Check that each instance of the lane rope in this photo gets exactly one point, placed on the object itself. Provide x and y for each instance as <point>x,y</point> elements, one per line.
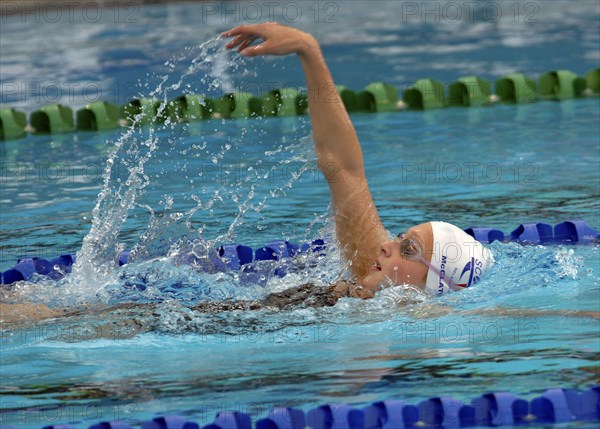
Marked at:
<point>237,256</point>
<point>424,94</point>
<point>554,406</point>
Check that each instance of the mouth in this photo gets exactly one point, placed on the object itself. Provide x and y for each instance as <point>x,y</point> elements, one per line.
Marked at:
<point>376,266</point>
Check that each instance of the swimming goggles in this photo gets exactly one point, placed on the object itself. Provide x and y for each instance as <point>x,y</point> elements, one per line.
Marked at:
<point>411,250</point>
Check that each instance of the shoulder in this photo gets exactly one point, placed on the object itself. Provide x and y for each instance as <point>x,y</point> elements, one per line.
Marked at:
<point>352,289</point>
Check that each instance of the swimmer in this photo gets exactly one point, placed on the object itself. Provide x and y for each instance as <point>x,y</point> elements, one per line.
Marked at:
<point>435,256</point>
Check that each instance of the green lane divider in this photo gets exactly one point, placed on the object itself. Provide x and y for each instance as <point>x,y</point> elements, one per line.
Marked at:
<point>190,108</point>
<point>142,111</point>
<point>52,118</point>
<point>376,97</point>
<point>347,95</point>
<point>425,94</point>
<point>469,91</point>
<point>236,105</point>
<point>366,102</point>
<point>267,104</point>
<point>516,88</point>
<point>561,85</point>
<point>12,124</point>
<point>243,105</point>
<point>280,102</point>
<point>291,103</point>
<point>98,116</point>
<point>384,97</point>
<point>593,81</point>
<point>221,107</point>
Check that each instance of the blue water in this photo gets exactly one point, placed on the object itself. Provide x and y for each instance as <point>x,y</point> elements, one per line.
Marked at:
<point>252,181</point>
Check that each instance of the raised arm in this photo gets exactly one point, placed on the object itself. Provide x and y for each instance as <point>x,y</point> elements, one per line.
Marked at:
<point>339,155</point>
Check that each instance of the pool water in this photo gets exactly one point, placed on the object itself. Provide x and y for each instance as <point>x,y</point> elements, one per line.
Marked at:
<point>522,329</point>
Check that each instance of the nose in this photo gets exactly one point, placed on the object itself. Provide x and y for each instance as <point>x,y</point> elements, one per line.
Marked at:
<point>386,248</point>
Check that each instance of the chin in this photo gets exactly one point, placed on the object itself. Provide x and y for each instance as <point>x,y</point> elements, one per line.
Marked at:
<point>370,281</point>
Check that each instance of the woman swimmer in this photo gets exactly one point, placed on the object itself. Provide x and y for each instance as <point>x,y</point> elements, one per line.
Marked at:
<point>436,256</point>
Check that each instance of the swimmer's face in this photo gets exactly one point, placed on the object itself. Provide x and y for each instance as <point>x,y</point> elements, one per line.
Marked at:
<point>393,267</point>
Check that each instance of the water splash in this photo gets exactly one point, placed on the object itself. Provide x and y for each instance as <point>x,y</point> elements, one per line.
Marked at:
<point>568,263</point>
<point>173,236</point>
<point>96,260</point>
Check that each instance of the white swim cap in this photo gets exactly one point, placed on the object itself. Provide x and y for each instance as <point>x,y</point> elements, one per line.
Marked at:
<point>457,256</point>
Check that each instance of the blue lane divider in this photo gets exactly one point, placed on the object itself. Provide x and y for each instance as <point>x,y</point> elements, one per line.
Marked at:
<point>552,407</point>
<point>335,416</point>
<point>229,420</point>
<point>390,414</point>
<point>486,235</point>
<point>240,257</point>
<point>489,410</point>
<point>576,231</point>
<point>536,233</point>
<point>499,409</point>
<point>235,255</point>
<point>283,418</point>
<point>169,422</point>
<point>444,412</point>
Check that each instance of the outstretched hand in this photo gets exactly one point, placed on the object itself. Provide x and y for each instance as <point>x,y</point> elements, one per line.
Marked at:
<point>277,40</point>
<point>358,226</point>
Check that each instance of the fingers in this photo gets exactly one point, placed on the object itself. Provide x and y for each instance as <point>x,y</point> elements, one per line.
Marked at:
<point>249,52</point>
<point>271,33</point>
<point>242,41</point>
<point>233,32</point>
<point>246,35</point>
<point>254,51</point>
<point>245,44</point>
<point>233,43</point>
<point>248,30</point>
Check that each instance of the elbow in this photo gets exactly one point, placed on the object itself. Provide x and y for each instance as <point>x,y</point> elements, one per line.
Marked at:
<point>330,167</point>
<point>334,167</point>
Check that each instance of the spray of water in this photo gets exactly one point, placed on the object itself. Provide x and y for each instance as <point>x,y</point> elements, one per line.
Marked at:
<point>95,265</point>
<point>131,170</point>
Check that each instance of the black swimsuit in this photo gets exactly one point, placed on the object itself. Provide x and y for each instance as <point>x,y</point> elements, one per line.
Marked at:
<point>303,296</point>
